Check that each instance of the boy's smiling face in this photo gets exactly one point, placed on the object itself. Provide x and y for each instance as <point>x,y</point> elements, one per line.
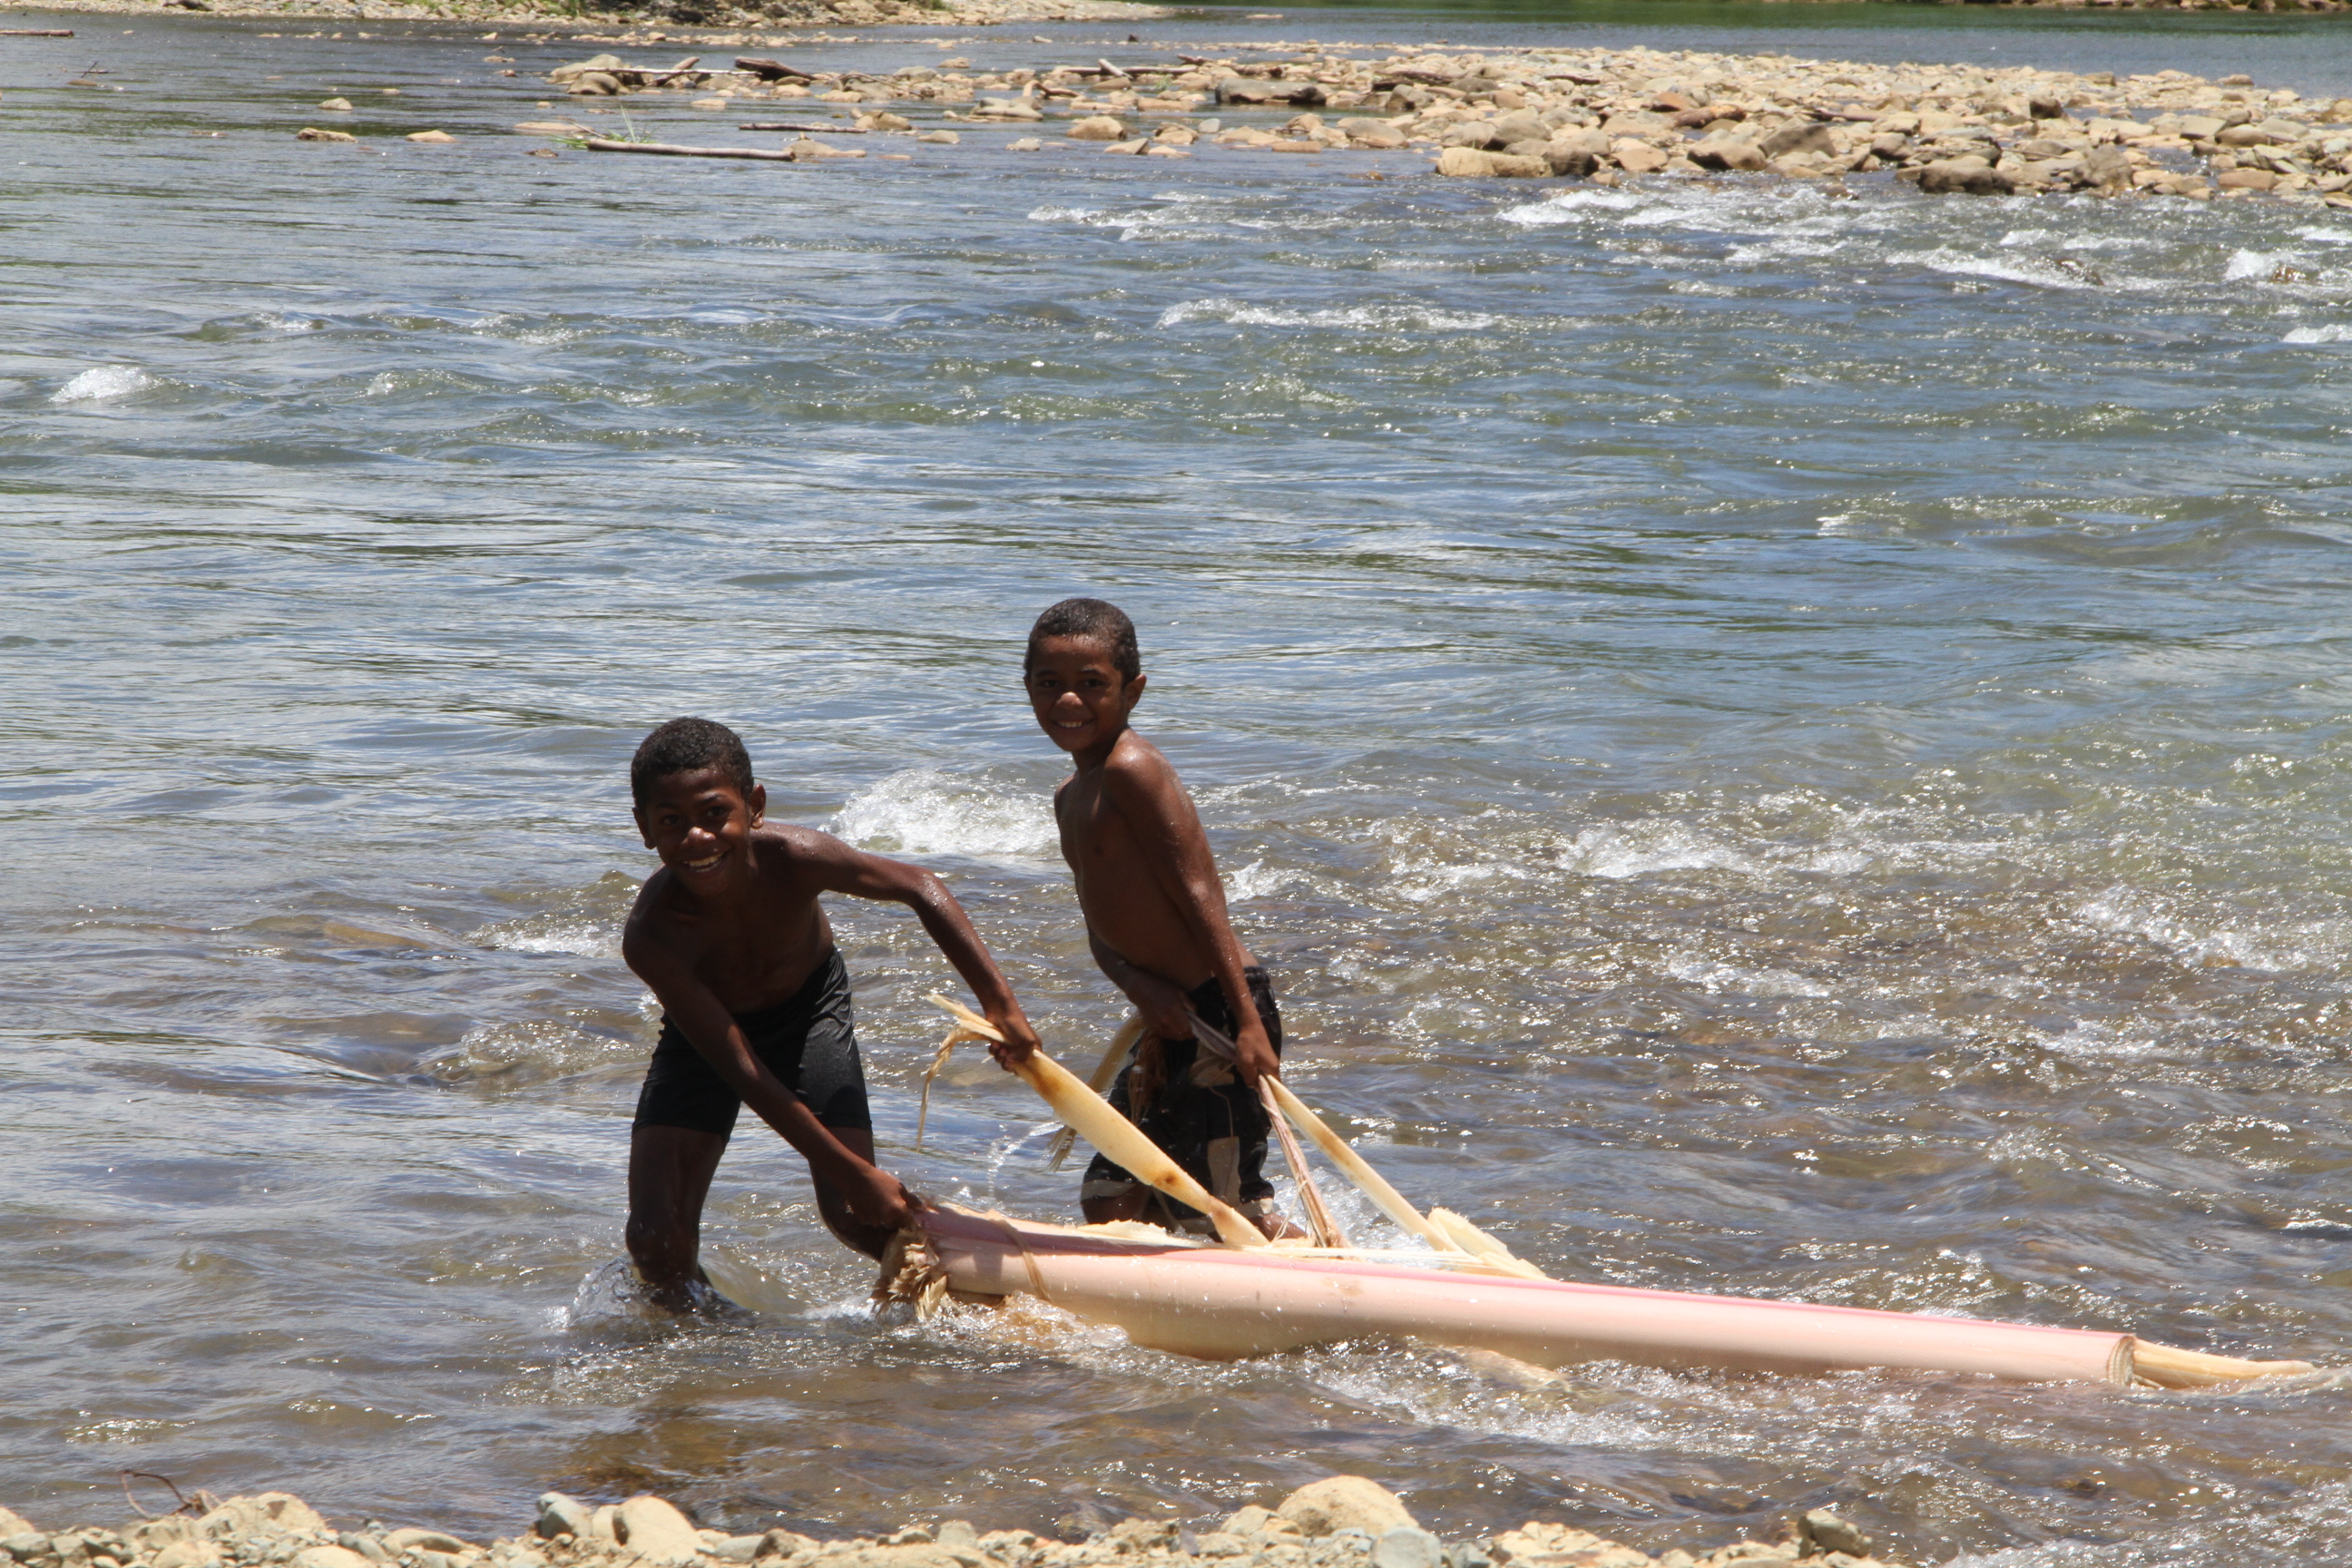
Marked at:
<point>700,824</point>
<point>1078,696</point>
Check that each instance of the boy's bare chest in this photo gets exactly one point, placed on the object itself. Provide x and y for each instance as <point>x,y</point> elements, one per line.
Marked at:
<point>1094,832</point>
<point>757,956</point>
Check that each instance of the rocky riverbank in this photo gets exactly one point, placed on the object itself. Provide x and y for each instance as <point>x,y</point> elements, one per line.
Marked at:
<point>599,17</point>
<point>1344,1521</point>
<point>1607,115</point>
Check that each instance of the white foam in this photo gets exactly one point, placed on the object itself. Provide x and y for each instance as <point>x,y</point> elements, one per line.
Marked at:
<point>1946,260</point>
<point>1716,977</point>
<point>2128,913</point>
<point>1377,318</point>
<point>2247,264</point>
<point>1255,881</point>
<point>2334,333</point>
<point>1634,849</point>
<point>579,938</point>
<point>103,383</point>
<point>1568,206</point>
<point>924,811</point>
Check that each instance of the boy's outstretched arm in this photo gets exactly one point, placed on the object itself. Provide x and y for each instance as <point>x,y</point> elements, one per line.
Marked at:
<point>1168,829</point>
<point>874,1196</point>
<point>840,868</point>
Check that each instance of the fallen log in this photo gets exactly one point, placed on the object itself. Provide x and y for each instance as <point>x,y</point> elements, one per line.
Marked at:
<point>36,32</point>
<point>672,149</point>
<point>771,70</point>
<point>803,126</point>
<point>1240,90</point>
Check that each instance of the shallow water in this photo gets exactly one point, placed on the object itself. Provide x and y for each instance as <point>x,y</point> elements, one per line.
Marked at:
<point>1772,744</point>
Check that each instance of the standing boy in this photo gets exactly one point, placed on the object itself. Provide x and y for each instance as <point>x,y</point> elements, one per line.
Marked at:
<point>729,936</point>
<point>1156,920</point>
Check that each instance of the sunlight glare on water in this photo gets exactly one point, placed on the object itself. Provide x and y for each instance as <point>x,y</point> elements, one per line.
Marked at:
<point>1772,745</point>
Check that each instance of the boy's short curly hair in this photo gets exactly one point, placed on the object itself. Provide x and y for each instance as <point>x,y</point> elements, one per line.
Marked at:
<point>1095,619</point>
<point>686,746</point>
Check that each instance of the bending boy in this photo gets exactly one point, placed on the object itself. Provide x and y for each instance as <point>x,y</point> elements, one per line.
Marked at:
<point>1156,920</point>
<point>756,1009</point>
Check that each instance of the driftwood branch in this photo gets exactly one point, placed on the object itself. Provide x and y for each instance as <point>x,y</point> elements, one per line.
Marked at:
<point>803,126</point>
<point>771,70</point>
<point>672,149</point>
<point>36,32</point>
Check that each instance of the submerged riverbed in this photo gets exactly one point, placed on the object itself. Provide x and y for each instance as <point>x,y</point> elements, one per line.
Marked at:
<point>1773,743</point>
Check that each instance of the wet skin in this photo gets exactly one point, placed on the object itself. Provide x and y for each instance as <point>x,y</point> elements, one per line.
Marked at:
<point>1155,910</point>
<point>730,924</point>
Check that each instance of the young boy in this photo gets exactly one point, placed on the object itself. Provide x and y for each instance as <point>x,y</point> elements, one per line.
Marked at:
<point>1156,920</point>
<point>729,936</point>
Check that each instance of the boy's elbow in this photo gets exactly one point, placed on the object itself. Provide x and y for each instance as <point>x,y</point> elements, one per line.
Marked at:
<point>927,894</point>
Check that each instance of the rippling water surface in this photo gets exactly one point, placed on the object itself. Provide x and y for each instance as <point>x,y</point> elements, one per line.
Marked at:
<point>1773,743</point>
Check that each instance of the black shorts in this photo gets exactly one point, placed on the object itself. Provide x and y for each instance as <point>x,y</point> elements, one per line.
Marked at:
<point>807,1041</point>
<point>1192,1104</point>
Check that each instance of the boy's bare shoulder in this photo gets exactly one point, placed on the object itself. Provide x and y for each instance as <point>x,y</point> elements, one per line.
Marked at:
<point>1137,773</point>
<point>783,847</point>
<point>650,920</point>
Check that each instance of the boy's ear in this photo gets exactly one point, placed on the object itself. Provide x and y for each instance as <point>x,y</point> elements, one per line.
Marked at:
<point>758,802</point>
<point>644,832</point>
<point>1135,690</point>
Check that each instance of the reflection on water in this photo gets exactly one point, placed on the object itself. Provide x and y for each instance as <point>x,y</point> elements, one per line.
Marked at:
<point>1774,743</point>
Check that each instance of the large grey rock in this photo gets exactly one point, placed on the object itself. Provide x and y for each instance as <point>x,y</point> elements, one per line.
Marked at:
<point>428,1540</point>
<point>157,1534</point>
<point>1577,152</point>
<point>330,1557</point>
<point>1637,157</point>
<point>1347,1502</point>
<point>562,1515</point>
<point>1823,1530</point>
<point>1366,131</point>
<point>1796,136</point>
<point>265,1513</point>
<point>1726,153</point>
<point>2107,167</point>
<point>1520,125</point>
<point>1476,163</point>
<point>655,1532</point>
<point>1408,1547</point>
<point>1964,176</point>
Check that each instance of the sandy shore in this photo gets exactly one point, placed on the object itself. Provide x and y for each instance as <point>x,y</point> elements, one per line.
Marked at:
<point>1344,1521</point>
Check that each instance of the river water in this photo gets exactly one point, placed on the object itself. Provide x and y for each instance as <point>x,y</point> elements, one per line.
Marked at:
<point>1772,744</point>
